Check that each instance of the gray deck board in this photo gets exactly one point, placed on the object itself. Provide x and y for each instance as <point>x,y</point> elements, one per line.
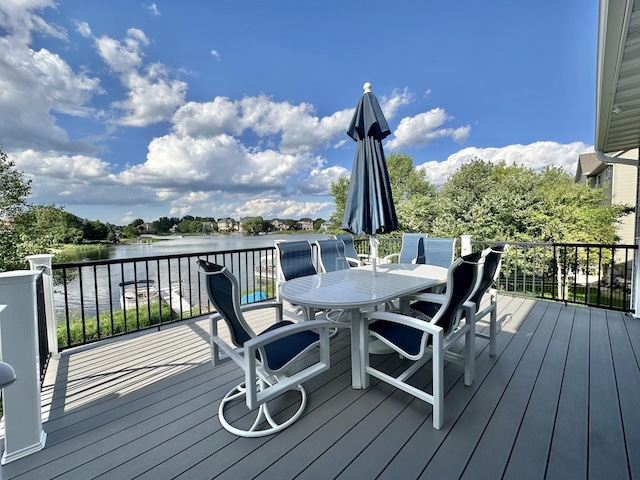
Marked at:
<point>559,400</point>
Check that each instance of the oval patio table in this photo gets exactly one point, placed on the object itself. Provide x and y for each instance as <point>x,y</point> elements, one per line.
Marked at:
<point>357,289</point>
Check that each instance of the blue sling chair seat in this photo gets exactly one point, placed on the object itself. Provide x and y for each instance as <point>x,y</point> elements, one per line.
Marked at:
<point>420,341</point>
<point>267,358</point>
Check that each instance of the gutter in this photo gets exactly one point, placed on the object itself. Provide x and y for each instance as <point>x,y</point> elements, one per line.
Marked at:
<point>608,159</point>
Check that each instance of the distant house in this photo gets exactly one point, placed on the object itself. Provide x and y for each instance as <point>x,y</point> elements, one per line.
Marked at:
<point>146,228</point>
<point>207,227</point>
<point>619,182</point>
<point>227,225</point>
<point>279,224</point>
<point>305,224</point>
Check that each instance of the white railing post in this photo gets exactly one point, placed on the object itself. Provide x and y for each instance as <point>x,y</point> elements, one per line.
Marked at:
<point>44,261</point>
<point>465,244</point>
<point>19,346</point>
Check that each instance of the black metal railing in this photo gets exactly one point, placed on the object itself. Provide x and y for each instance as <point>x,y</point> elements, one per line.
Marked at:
<point>43,339</point>
<point>592,275</point>
<point>98,299</point>
<point>91,303</point>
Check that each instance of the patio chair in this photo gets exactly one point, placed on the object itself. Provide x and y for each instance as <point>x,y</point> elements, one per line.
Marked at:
<point>490,273</point>
<point>420,341</point>
<point>354,258</point>
<point>267,358</point>
<point>408,250</point>
<point>293,260</point>
<point>332,255</point>
<point>436,251</point>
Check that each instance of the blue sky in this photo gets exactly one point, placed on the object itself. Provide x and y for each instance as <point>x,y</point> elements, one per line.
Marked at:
<point>118,109</point>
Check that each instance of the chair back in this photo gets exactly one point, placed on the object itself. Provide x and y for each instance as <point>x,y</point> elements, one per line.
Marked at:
<point>349,245</point>
<point>294,259</point>
<point>224,293</point>
<point>436,251</point>
<point>462,282</point>
<point>332,255</point>
<point>409,248</point>
<point>490,272</point>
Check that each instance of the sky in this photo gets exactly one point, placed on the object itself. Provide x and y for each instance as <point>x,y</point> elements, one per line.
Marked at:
<point>120,109</point>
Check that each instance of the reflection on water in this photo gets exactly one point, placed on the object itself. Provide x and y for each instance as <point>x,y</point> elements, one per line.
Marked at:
<point>97,283</point>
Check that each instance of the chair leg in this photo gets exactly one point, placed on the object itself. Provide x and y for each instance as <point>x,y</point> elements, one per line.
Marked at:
<point>438,383</point>
<point>264,423</point>
<point>493,329</point>
<point>469,357</point>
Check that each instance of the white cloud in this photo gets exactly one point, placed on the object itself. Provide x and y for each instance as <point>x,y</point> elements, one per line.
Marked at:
<point>152,97</point>
<point>535,155</point>
<point>299,129</point>
<point>153,8</point>
<point>398,99</point>
<point>34,85</point>
<point>18,17</point>
<point>83,29</point>
<point>419,130</point>
<point>215,54</point>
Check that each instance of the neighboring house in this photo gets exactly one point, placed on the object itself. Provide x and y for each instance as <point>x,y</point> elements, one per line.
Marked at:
<point>207,227</point>
<point>619,182</point>
<point>146,228</point>
<point>305,224</point>
<point>227,225</point>
<point>279,224</point>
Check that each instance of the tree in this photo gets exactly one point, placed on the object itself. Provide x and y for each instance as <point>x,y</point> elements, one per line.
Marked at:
<point>253,226</point>
<point>317,223</point>
<point>14,190</point>
<point>339,190</point>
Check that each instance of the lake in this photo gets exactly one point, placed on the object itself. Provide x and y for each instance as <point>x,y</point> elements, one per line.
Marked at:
<point>191,244</point>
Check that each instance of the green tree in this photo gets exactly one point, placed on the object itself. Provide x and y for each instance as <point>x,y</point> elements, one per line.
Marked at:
<point>339,190</point>
<point>254,226</point>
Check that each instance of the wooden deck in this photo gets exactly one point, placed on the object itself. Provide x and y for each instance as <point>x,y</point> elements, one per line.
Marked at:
<point>560,400</point>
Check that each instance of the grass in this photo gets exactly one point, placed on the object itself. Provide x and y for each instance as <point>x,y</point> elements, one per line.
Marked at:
<point>105,326</point>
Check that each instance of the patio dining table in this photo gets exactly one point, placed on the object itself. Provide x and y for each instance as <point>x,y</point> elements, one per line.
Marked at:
<point>356,290</point>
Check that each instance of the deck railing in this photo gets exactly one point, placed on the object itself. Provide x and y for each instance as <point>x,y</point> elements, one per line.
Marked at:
<point>90,304</point>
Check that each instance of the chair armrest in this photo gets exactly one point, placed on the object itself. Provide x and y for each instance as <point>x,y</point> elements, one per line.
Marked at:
<point>272,336</point>
<point>390,257</point>
<point>354,262</point>
<point>428,297</point>
<point>260,305</point>
<point>405,320</point>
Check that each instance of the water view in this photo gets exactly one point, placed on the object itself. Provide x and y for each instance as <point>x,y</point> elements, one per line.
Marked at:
<point>167,269</point>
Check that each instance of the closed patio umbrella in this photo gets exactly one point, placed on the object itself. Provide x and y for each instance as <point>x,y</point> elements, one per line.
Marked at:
<point>369,208</point>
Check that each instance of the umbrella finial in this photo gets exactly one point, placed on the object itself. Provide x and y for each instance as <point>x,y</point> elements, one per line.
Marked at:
<point>367,87</point>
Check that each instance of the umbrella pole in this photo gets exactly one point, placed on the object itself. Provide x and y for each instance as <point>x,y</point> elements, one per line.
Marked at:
<point>373,246</point>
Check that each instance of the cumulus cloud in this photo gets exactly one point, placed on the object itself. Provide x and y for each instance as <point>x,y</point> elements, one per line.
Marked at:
<point>298,127</point>
<point>398,99</point>
<point>20,17</point>
<point>35,84</point>
<point>419,130</point>
<point>215,54</point>
<point>152,96</point>
<point>536,155</point>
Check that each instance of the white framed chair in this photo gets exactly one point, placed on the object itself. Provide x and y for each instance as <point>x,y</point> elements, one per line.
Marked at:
<point>436,251</point>
<point>354,258</point>
<point>420,341</point>
<point>408,250</point>
<point>332,256</point>
<point>490,273</point>
<point>293,260</point>
<point>267,358</point>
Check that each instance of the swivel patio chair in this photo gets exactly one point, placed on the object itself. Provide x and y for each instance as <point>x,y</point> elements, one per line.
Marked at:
<point>332,255</point>
<point>267,359</point>
<point>420,341</point>
<point>408,250</point>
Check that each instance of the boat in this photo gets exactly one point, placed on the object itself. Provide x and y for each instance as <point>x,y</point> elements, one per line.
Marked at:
<point>137,292</point>
<point>265,269</point>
